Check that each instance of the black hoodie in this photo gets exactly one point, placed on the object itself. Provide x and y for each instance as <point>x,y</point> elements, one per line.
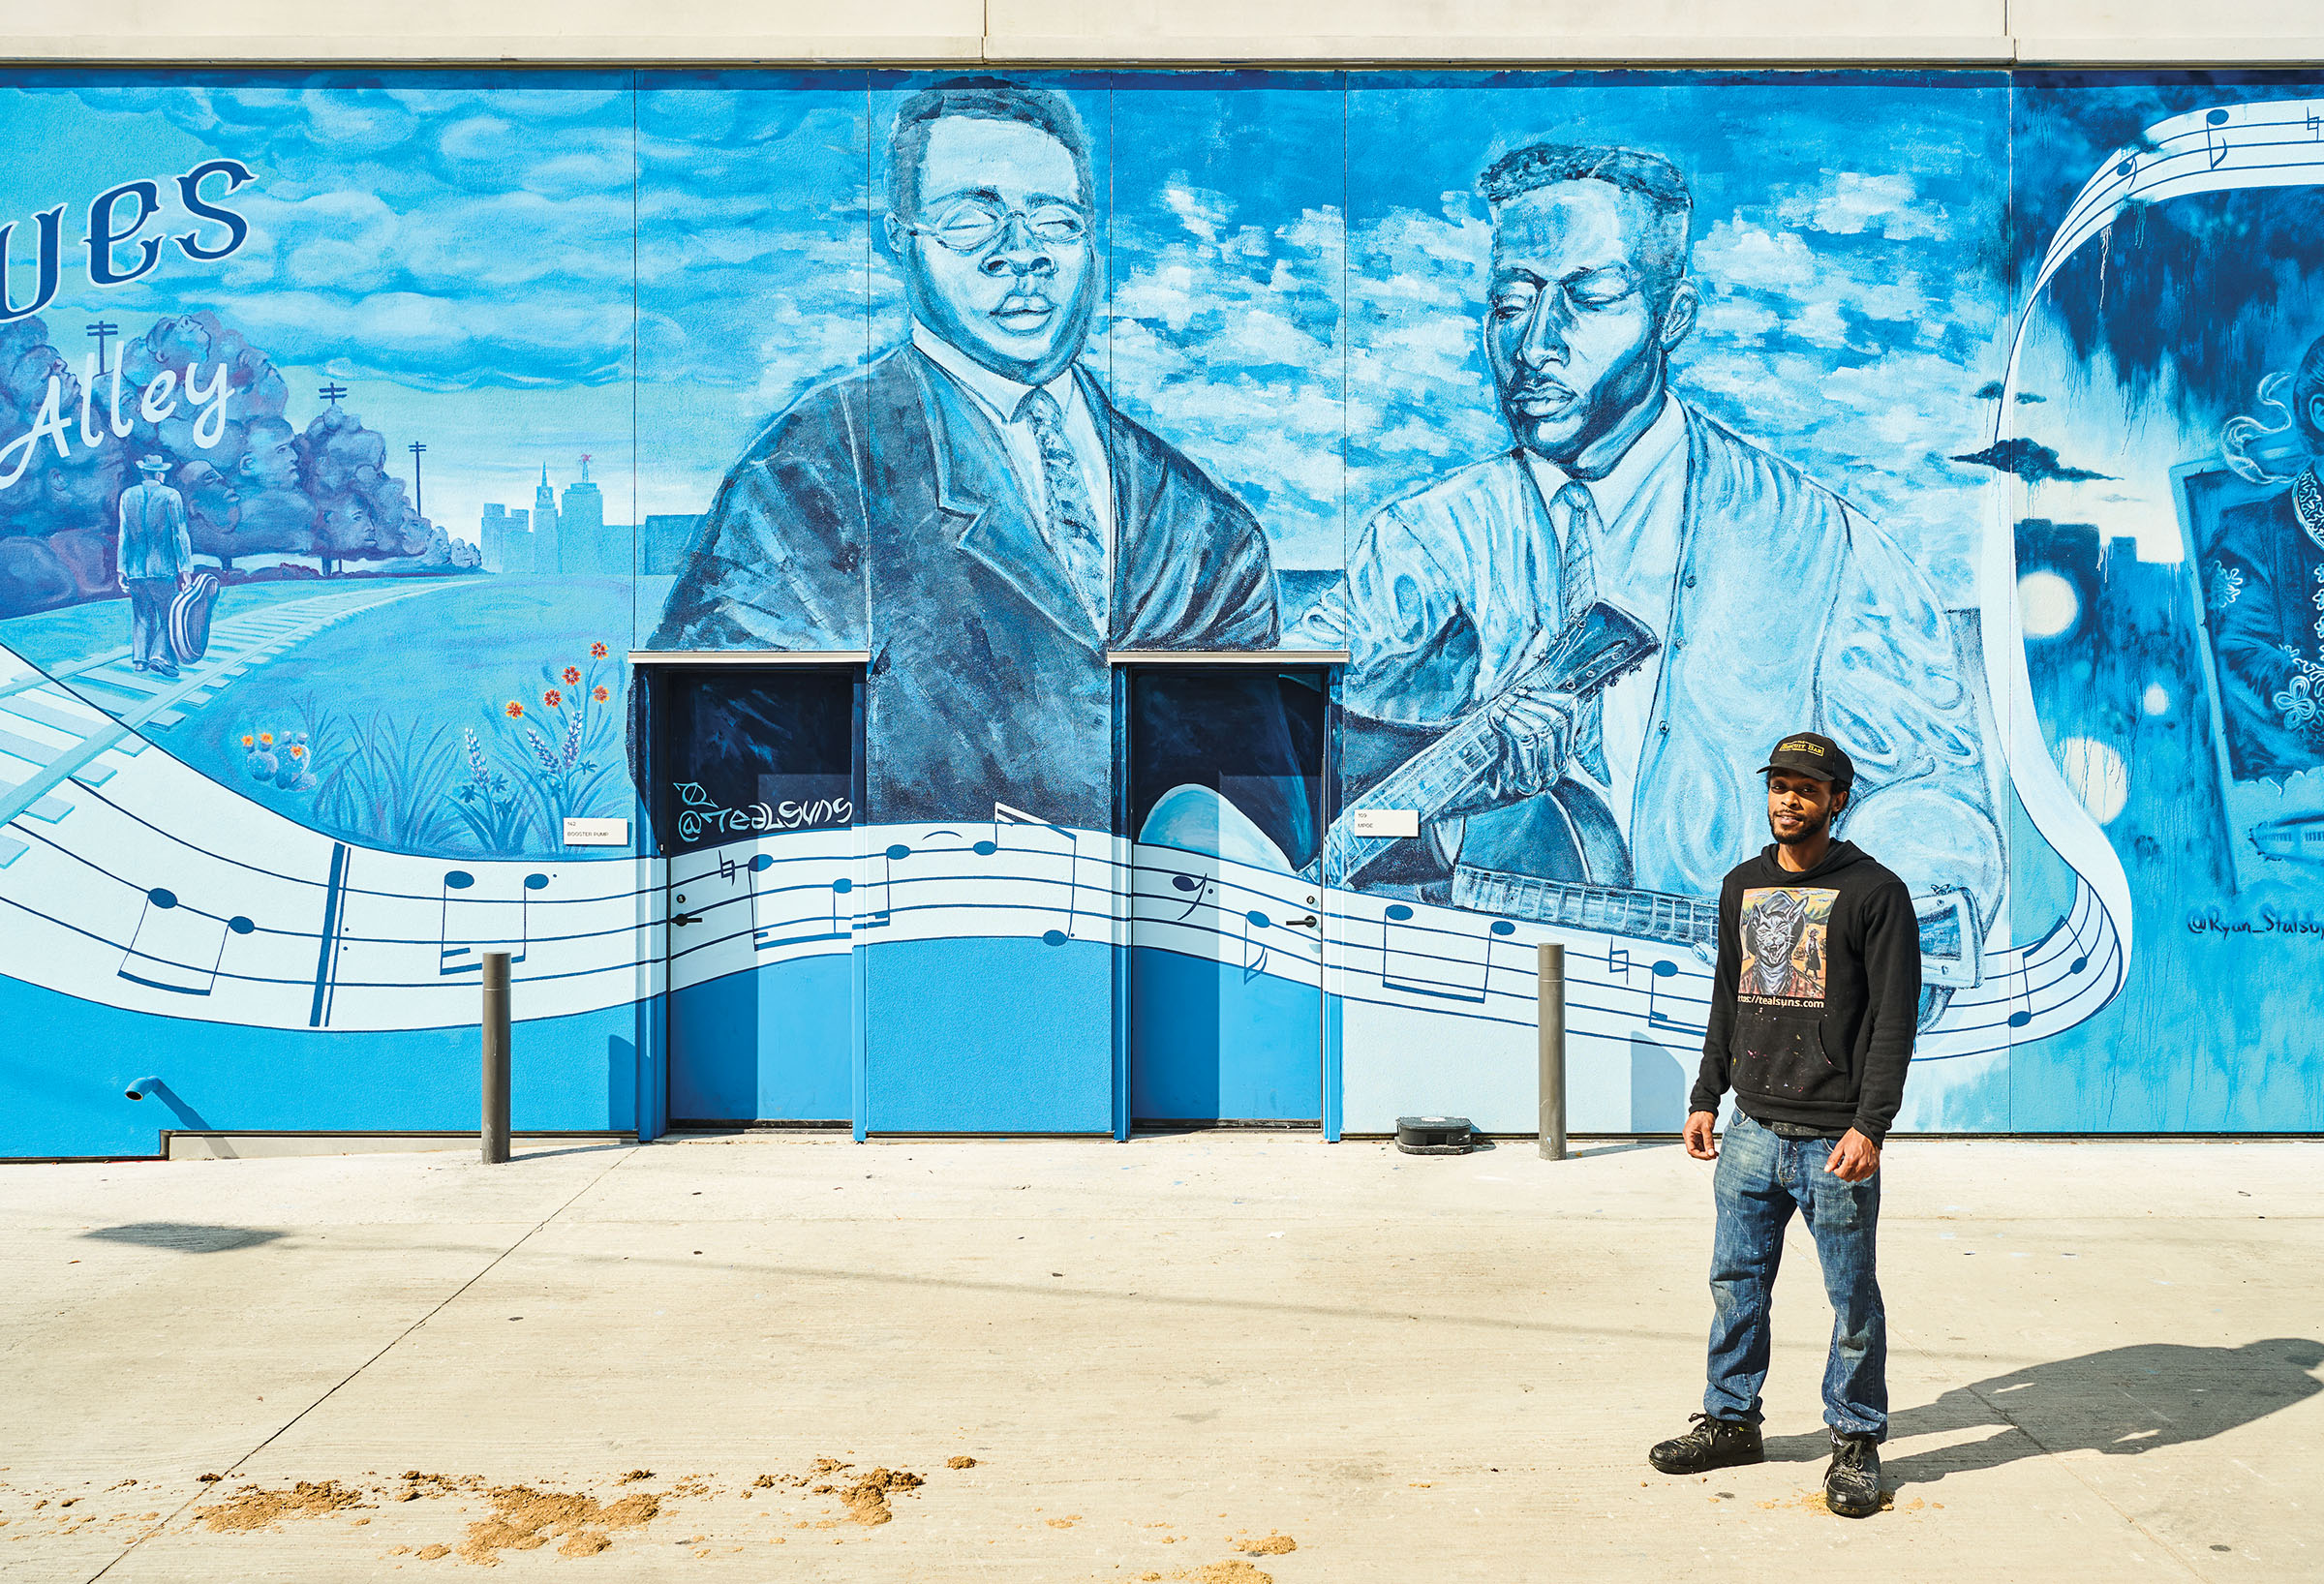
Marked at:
<point>1817,993</point>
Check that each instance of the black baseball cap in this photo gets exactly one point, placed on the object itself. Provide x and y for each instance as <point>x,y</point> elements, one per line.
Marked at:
<point>1809,754</point>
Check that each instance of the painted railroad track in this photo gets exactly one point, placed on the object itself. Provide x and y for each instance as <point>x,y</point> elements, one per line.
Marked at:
<point>80,721</point>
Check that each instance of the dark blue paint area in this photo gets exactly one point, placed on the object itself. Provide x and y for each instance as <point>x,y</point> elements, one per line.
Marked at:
<point>771,1044</point>
<point>1253,736</point>
<point>1211,1042</point>
<point>989,1036</point>
<point>750,753</point>
<point>2191,300</point>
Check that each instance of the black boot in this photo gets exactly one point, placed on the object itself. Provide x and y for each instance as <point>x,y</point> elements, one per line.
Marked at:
<point>1851,1485</point>
<point>1712,1443</point>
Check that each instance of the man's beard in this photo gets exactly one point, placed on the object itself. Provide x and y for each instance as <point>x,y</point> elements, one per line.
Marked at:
<point>1806,833</point>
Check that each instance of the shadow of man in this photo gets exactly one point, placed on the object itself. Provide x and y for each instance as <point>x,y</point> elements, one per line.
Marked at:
<point>2120,1402</point>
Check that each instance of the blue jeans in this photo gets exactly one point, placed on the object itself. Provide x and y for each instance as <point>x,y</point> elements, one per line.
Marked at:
<point>1760,1180</point>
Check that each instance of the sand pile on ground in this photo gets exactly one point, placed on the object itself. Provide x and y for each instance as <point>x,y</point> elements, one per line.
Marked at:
<point>1274,1545</point>
<point>526,1519</point>
<point>1235,1571</point>
<point>867,1498</point>
<point>252,1507</point>
<point>960,1462</point>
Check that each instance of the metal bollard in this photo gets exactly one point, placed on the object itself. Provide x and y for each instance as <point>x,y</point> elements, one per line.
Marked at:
<point>1551,1018</point>
<point>496,1059</point>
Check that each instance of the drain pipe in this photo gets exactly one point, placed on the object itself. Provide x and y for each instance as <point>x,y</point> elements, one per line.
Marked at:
<point>143,1087</point>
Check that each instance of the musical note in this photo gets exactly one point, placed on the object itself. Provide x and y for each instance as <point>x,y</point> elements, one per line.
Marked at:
<point>1617,961</point>
<point>1663,969</point>
<point>768,933</point>
<point>1412,958</point>
<point>170,943</point>
<point>1196,887</point>
<point>2214,139</point>
<point>1253,969</point>
<point>1036,835</point>
<point>471,927</point>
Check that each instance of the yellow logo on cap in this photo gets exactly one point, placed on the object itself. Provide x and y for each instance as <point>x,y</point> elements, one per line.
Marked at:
<point>1800,745</point>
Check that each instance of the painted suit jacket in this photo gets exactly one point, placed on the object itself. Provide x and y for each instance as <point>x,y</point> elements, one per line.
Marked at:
<point>2262,582</point>
<point>880,513</point>
<point>153,532</point>
<point>1791,611</point>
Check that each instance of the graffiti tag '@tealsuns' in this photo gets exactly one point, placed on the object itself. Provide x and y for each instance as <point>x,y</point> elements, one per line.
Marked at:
<point>2211,921</point>
<point>787,815</point>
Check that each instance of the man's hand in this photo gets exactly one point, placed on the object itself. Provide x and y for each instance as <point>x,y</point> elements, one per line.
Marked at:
<point>1536,731</point>
<point>1699,1141</point>
<point>1854,1158</point>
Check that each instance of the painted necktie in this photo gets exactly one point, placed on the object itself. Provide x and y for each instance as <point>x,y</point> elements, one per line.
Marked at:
<point>1578,591</point>
<point>1072,528</point>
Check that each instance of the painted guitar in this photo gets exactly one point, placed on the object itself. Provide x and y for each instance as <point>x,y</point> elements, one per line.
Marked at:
<point>1599,645</point>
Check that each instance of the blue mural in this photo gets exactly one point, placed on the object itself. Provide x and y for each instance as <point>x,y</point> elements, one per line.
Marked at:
<point>1530,448</point>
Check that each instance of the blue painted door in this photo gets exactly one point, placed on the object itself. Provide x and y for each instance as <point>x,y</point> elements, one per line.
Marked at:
<point>1225,795</point>
<point>761,1013</point>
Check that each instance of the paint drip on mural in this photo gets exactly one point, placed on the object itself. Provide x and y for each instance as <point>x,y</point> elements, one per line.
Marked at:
<point>1568,442</point>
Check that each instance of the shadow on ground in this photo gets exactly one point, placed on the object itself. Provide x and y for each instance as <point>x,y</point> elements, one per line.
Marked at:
<point>2120,1402</point>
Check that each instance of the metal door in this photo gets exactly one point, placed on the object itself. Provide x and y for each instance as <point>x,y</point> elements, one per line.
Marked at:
<point>757,779</point>
<point>1225,795</point>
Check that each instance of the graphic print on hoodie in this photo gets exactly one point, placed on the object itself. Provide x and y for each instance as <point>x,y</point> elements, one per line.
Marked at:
<point>1784,956</point>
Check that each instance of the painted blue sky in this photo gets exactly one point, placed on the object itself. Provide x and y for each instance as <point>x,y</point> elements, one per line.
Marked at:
<point>1295,263</point>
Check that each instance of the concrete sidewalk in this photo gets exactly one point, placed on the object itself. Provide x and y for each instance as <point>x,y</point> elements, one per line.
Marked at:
<point>2106,1365</point>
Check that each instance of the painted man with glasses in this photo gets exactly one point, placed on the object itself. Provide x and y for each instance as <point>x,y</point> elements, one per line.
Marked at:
<point>972,509</point>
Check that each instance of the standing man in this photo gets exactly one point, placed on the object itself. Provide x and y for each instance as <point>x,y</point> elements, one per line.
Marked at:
<point>154,558</point>
<point>1616,489</point>
<point>1812,1021</point>
<point>972,509</point>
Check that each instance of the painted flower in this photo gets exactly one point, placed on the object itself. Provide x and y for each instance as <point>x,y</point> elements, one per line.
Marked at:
<point>248,740</point>
<point>298,750</point>
<point>552,698</point>
<point>516,711</point>
<point>266,737</point>
<point>572,674</point>
<point>599,693</point>
<point>597,651</point>
<point>2297,703</point>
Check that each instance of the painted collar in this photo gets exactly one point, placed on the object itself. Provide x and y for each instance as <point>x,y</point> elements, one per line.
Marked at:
<point>2307,505</point>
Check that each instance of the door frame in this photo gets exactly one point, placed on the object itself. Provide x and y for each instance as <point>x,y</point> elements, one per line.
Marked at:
<point>1332,663</point>
<point>653,670</point>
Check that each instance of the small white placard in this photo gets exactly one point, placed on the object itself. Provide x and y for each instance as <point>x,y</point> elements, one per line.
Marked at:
<point>597,833</point>
<point>1384,822</point>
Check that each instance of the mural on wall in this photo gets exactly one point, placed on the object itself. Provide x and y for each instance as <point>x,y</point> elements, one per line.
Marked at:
<point>1611,424</point>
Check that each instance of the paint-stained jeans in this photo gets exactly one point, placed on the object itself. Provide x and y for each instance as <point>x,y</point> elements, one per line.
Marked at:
<point>149,622</point>
<point>1760,1181</point>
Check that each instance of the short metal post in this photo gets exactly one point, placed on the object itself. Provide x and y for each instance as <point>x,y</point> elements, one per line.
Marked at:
<point>496,1058</point>
<point>1552,1016</point>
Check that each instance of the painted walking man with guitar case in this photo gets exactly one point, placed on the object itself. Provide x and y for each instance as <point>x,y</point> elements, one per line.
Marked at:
<point>155,561</point>
<point>1811,1024</point>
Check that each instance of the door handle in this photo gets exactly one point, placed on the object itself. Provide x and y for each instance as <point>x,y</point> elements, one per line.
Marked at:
<point>686,918</point>
<point>1307,922</point>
